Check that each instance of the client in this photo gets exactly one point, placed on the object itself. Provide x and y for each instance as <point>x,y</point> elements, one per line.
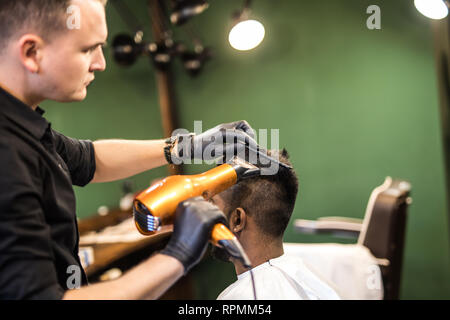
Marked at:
<point>258,211</point>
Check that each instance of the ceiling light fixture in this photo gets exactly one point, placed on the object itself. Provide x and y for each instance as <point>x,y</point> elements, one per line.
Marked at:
<point>183,10</point>
<point>246,33</point>
<point>433,9</point>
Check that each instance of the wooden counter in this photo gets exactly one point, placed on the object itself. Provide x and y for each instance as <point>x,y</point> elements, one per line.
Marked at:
<point>126,255</point>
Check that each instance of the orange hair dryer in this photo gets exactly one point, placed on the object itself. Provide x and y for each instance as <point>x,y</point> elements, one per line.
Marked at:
<point>156,205</point>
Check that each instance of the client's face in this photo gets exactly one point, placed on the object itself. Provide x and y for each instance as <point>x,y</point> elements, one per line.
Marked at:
<point>216,252</point>
<point>219,202</point>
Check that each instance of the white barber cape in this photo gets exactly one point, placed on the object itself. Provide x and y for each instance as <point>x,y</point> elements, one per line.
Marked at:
<point>282,278</point>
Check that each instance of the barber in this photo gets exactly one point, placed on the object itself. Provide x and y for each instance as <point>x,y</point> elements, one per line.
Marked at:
<point>42,59</point>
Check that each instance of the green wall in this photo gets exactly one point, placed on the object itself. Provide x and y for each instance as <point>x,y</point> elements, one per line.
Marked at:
<point>353,106</point>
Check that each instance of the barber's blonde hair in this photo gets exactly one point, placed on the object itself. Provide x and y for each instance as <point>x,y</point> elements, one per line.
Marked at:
<point>44,16</point>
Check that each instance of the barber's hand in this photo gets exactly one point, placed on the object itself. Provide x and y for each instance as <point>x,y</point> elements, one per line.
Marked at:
<point>241,125</point>
<point>223,140</point>
<point>194,220</point>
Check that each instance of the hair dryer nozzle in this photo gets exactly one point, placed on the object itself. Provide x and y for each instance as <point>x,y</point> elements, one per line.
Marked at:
<point>146,223</point>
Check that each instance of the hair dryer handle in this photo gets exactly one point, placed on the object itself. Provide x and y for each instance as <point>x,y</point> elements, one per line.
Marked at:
<point>221,236</point>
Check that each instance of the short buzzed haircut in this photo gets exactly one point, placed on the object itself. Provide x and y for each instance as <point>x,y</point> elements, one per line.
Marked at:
<point>269,199</point>
<point>43,17</point>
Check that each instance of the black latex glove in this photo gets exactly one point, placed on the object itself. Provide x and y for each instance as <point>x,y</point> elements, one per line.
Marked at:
<point>194,220</point>
<point>224,139</point>
<point>241,125</point>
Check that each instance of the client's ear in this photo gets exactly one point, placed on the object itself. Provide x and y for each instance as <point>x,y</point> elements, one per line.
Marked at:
<point>238,220</point>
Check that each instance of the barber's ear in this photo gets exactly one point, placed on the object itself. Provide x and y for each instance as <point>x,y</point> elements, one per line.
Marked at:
<point>238,220</point>
<point>30,47</point>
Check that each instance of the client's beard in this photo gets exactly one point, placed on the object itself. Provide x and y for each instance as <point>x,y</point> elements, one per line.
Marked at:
<point>220,254</point>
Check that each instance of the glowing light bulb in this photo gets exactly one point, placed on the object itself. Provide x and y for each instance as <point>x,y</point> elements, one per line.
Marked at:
<point>246,35</point>
<point>433,9</point>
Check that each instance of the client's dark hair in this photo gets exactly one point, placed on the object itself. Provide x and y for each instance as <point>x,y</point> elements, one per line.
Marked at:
<point>269,199</point>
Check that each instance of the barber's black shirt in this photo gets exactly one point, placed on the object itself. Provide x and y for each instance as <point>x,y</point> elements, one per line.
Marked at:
<point>38,227</point>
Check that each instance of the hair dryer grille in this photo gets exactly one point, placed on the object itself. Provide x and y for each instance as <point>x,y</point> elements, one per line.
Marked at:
<point>144,219</point>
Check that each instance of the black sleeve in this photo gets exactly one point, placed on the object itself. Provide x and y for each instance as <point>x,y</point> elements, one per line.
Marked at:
<point>79,155</point>
<point>27,270</point>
